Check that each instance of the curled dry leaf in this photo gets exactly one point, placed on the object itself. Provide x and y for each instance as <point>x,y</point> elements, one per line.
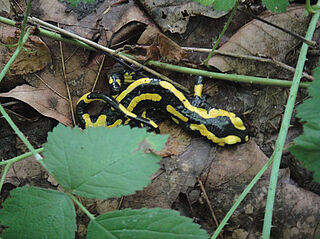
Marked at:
<point>43,100</point>
<point>158,45</point>
<point>174,16</point>
<point>34,56</point>
<point>259,39</point>
<point>103,24</point>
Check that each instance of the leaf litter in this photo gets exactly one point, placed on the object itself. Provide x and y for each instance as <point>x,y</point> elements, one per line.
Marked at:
<point>225,171</point>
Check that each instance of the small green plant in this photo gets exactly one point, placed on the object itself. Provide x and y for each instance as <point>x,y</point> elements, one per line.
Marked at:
<point>226,5</point>
<point>307,145</point>
<point>94,163</point>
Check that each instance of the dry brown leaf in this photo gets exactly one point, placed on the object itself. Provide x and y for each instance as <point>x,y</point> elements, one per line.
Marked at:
<point>43,100</point>
<point>259,39</point>
<point>4,6</point>
<point>79,74</point>
<point>99,23</point>
<point>153,39</point>
<point>174,16</point>
<point>177,142</point>
<point>34,56</point>
<point>53,11</point>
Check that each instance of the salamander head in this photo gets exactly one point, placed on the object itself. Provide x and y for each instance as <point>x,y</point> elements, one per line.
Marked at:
<point>225,130</point>
<point>115,83</point>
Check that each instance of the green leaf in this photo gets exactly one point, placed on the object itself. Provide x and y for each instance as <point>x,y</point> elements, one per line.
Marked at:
<point>276,5</point>
<point>76,2</point>
<point>223,5</point>
<point>218,5</point>
<point>100,162</point>
<point>33,212</point>
<point>144,224</point>
<point>205,2</point>
<point>307,146</point>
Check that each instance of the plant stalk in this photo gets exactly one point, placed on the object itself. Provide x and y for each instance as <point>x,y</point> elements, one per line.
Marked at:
<point>284,128</point>
<point>206,63</point>
<point>229,77</point>
<point>15,54</point>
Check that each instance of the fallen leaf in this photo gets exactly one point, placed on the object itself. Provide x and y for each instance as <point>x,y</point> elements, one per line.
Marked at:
<point>104,25</point>
<point>158,45</point>
<point>53,11</point>
<point>174,16</point>
<point>34,56</point>
<point>177,142</point>
<point>4,6</point>
<point>43,100</point>
<point>259,39</point>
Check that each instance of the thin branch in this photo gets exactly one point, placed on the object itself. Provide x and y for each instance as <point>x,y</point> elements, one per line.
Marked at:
<point>301,38</point>
<point>50,87</point>
<point>104,49</point>
<point>15,54</point>
<point>222,33</point>
<point>66,83</point>
<point>228,77</point>
<point>209,204</point>
<point>99,72</point>
<point>284,128</point>
<point>251,58</point>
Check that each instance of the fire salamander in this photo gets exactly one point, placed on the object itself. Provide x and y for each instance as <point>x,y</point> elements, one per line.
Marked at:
<point>128,105</point>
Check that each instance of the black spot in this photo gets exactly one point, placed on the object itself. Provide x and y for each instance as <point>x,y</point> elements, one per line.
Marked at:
<point>53,102</point>
<point>164,16</point>
<point>185,13</point>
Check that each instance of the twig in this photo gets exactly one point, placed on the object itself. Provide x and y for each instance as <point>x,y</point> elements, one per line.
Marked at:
<point>98,74</point>
<point>209,204</point>
<point>252,58</point>
<point>309,42</point>
<point>66,83</point>
<point>15,54</point>
<point>104,49</point>
<point>53,90</point>
<point>284,128</point>
<point>222,33</point>
<point>229,77</point>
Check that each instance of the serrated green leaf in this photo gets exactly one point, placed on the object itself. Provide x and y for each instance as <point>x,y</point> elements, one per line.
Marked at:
<point>99,162</point>
<point>144,223</point>
<point>76,2</point>
<point>307,146</point>
<point>224,5</point>
<point>276,5</point>
<point>158,142</point>
<point>33,212</point>
<point>205,2</point>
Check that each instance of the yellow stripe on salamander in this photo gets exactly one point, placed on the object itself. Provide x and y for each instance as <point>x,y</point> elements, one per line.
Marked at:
<point>213,113</point>
<point>129,113</point>
<point>116,123</point>
<point>173,111</point>
<point>86,100</point>
<point>231,139</point>
<point>101,121</point>
<point>131,87</point>
<point>142,97</point>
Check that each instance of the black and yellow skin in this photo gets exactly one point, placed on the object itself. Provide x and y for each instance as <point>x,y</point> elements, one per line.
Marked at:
<point>113,114</point>
<point>194,115</point>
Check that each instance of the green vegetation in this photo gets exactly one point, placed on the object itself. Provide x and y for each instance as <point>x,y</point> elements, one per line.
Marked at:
<point>97,163</point>
<point>307,145</point>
